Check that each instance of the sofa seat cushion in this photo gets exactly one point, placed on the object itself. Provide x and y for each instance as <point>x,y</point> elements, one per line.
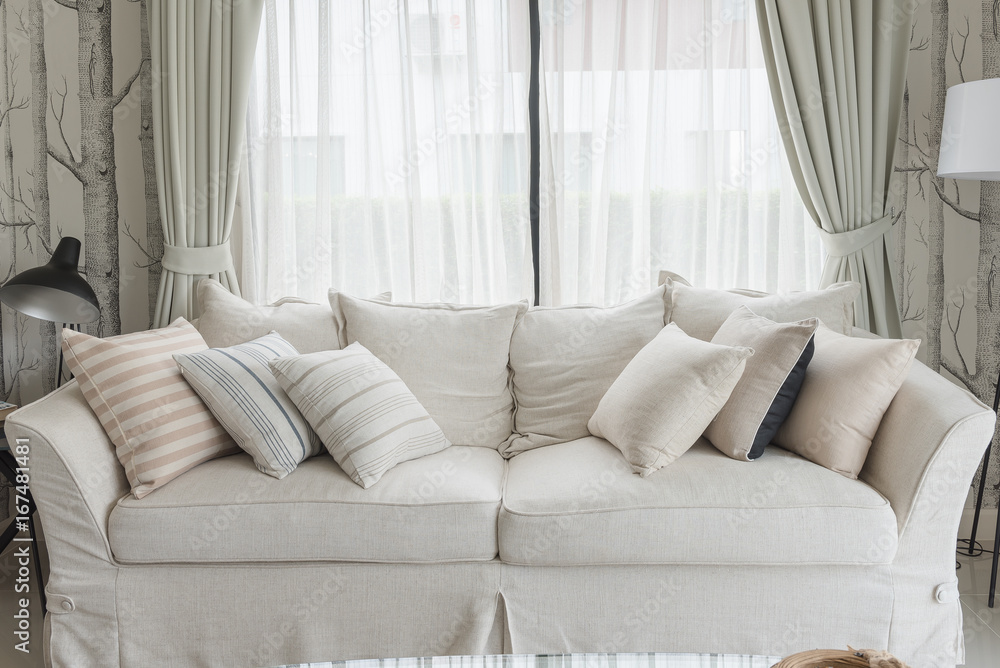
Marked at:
<point>439,508</point>
<point>579,503</point>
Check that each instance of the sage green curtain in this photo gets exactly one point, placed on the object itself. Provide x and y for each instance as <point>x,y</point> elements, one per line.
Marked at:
<point>202,56</point>
<point>837,71</point>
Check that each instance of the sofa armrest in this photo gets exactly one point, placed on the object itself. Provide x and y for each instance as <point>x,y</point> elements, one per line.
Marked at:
<point>928,447</point>
<point>76,480</point>
<point>75,476</point>
<point>922,459</point>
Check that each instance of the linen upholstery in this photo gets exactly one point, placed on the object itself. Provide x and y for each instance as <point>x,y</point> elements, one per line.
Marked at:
<point>701,311</point>
<point>442,507</point>
<point>763,398</point>
<point>365,415</point>
<point>452,357</point>
<point>76,479</point>
<point>159,425</point>
<point>326,611</point>
<point>227,320</point>
<point>847,389</point>
<point>729,608</point>
<point>563,359</point>
<point>584,500</point>
<point>837,73</point>
<point>237,385</point>
<point>653,426</point>
<point>922,459</point>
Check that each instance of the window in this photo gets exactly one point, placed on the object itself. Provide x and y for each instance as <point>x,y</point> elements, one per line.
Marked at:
<point>388,145</point>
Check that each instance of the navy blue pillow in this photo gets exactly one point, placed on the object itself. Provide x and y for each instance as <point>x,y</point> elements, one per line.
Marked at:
<point>781,407</point>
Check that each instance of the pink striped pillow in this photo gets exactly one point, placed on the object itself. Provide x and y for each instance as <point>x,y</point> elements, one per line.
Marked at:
<point>160,427</point>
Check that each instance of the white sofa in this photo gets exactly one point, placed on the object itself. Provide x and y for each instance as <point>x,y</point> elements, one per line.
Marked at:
<point>559,549</point>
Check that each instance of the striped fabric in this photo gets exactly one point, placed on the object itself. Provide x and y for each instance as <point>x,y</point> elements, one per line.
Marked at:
<point>241,392</point>
<point>364,414</point>
<point>160,427</point>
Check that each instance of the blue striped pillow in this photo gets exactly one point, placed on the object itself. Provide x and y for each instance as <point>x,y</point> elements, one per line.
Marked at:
<point>237,385</point>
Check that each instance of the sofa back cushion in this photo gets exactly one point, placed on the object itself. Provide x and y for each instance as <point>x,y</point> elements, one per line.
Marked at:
<point>700,312</point>
<point>564,358</point>
<point>453,358</point>
<point>160,427</point>
<point>227,320</point>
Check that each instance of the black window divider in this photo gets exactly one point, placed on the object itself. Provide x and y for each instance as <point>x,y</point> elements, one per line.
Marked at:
<point>534,206</point>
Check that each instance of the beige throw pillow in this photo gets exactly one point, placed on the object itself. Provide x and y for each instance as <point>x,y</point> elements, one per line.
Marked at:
<point>848,387</point>
<point>701,311</point>
<point>453,358</point>
<point>159,425</point>
<point>666,396</point>
<point>361,410</point>
<point>564,359</point>
<point>764,397</point>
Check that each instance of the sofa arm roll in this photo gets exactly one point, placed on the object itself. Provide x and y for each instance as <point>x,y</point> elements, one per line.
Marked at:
<point>75,476</point>
<point>928,446</point>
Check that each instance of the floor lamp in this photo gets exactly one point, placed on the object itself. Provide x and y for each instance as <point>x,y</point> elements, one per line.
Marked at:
<point>57,292</point>
<point>970,149</point>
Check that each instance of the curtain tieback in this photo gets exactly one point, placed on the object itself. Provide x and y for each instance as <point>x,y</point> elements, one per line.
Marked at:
<point>203,261</point>
<point>841,244</point>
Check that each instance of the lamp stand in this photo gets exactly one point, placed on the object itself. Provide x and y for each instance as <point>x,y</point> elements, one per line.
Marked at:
<point>979,506</point>
<point>79,328</point>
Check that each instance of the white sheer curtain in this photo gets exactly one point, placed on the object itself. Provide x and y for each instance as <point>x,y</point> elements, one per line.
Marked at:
<point>660,150</point>
<point>387,146</point>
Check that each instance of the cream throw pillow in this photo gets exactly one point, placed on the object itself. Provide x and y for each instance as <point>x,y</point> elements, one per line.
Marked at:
<point>361,410</point>
<point>159,425</point>
<point>701,311</point>
<point>453,358</point>
<point>666,396</point>
<point>848,387</point>
<point>763,398</point>
<point>564,359</point>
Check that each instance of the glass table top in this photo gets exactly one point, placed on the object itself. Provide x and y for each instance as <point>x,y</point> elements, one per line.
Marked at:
<point>634,660</point>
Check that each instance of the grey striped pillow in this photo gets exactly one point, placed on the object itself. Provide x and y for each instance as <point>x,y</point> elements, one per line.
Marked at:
<point>237,385</point>
<point>364,414</point>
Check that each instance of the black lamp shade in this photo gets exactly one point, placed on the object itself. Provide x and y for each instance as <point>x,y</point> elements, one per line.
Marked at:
<point>55,291</point>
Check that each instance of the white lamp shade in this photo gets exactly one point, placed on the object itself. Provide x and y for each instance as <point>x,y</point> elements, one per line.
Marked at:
<point>970,137</point>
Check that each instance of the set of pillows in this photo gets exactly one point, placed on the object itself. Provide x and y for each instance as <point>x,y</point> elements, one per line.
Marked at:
<point>748,387</point>
<point>169,403</point>
<point>375,384</point>
<point>378,383</point>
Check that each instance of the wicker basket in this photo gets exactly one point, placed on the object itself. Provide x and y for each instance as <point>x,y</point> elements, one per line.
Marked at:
<point>836,658</point>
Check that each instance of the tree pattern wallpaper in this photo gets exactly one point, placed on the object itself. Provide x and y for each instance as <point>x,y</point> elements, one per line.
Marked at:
<point>948,231</point>
<point>76,128</point>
